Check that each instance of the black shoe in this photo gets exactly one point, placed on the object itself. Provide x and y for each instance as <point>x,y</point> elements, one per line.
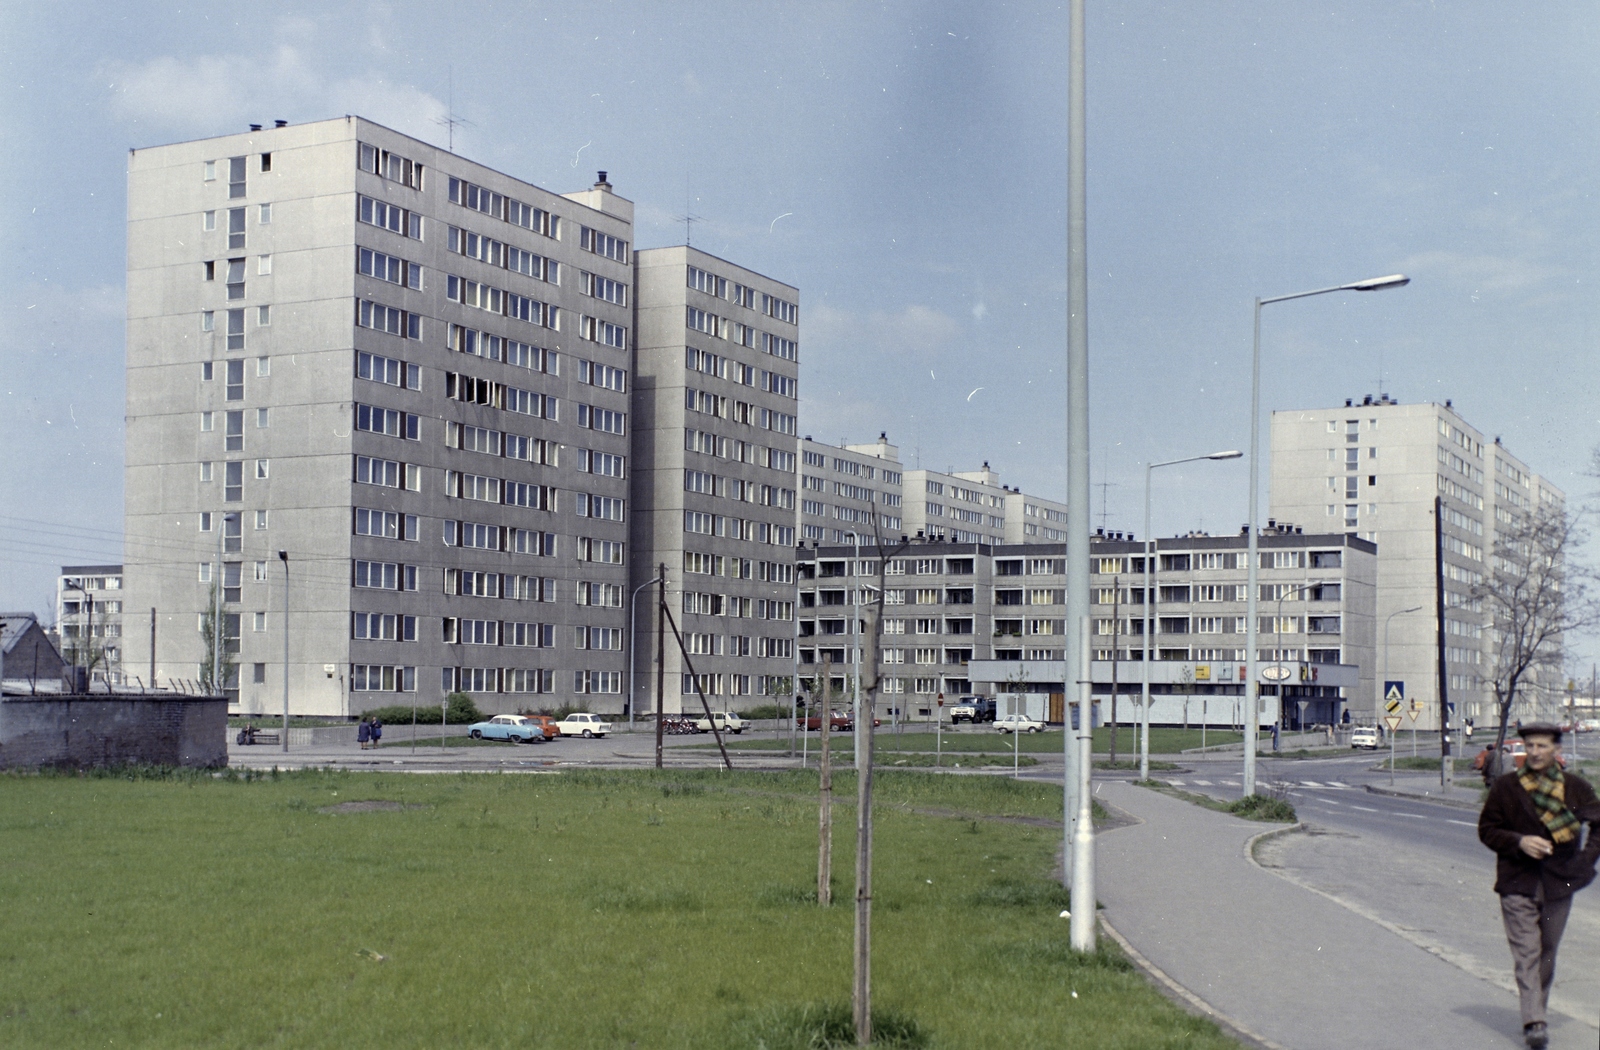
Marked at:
<point>1536,1035</point>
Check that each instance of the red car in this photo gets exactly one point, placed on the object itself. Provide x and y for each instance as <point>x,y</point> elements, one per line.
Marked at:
<point>548,724</point>
<point>838,721</point>
<point>1513,748</point>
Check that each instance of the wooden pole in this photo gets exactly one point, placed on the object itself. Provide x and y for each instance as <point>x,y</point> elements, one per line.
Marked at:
<point>825,807</point>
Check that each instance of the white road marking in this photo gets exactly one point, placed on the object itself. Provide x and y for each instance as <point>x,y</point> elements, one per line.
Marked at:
<point>1310,784</point>
<point>1364,809</point>
<point>1337,784</point>
<point>1203,783</point>
<point>1176,783</point>
<point>1463,823</point>
<point>1418,816</point>
<point>1231,783</point>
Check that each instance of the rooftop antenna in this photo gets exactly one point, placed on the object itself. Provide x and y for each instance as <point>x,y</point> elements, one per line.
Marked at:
<point>1105,469</point>
<point>688,218</point>
<point>450,120</point>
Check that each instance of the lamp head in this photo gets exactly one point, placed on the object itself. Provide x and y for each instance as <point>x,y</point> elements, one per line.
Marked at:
<point>283,556</point>
<point>1377,284</point>
<point>1230,454</point>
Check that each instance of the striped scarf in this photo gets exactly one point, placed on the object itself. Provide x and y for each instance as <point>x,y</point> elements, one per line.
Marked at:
<point>1548,789</point>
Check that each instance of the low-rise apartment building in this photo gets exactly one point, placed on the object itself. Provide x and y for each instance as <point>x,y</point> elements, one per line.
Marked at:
<point>89,619</point>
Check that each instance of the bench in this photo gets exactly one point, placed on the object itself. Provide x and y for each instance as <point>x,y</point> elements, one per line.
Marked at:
<point>252,735</point>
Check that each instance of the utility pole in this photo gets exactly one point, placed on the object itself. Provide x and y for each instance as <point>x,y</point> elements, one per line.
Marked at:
<point>1082,931</point>
<point>825,782</point>
<point>661,654</point>
<point>283,556</point>
<point>1446,772</point>
<point>1116,640</point>
<point>152,646</point>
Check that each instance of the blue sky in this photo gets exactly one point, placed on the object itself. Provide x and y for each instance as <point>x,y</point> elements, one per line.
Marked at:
<point>904,165</point>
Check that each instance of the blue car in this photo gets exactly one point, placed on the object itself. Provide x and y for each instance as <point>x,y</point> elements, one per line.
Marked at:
<point>513,728</point>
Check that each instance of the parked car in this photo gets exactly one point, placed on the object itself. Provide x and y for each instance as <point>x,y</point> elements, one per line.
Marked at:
<point>1514,748</point>
<point>584,724</point>
<point>1018,724</point>
<point>838,721</point>
<point>518,729</point>
<point>1589,725</point>
<point>1365,736</point>
<point>726,721</point>
<point>547,723</point>
<point>972,709</point>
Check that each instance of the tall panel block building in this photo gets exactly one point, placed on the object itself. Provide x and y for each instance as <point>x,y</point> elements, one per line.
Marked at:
<point>1372,469</point>
<point>410,373</point>
<point>713,485</point>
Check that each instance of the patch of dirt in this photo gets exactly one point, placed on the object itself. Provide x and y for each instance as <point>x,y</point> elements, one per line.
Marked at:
<point>371,805</point>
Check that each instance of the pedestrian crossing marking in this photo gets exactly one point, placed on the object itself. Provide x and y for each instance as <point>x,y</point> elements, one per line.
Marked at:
<point>1203,783</point>
<point>1176,783</point>
<point>1310,784</point>
<point>1231,783</point>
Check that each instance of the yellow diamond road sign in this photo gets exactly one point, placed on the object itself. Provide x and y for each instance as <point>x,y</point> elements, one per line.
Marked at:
<point>1393,721</point>
<point>1392,706</point>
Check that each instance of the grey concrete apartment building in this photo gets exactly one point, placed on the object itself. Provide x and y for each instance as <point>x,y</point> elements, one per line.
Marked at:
<point>714,479</point>
<point>410,373</point>
<point>961,618</point>
<point>974,507</point>
<point>847,489</point>
<point>1373,469</point>
<point>89,619</point>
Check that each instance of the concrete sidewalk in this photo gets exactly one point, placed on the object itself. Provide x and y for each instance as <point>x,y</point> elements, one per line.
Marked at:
<point>1283,963</point>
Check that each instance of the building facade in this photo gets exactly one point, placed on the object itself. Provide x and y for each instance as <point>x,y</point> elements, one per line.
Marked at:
<point>387,389</point>
<point>714,481</point>
<point>1373,470</point>
<point>850,489</point>
<point>89,619</point>
<point>988,619</point>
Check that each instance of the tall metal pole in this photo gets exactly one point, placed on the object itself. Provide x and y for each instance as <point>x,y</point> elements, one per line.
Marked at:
<point>152,646</point>
<point>1077,574</point>
<point>283,556</point>
<point>863,739</point>
<point>1149,626</point>
<point>1081,930</point>
<point>1446,772</point>
<point>661,655</point>
<point>1249,706</point>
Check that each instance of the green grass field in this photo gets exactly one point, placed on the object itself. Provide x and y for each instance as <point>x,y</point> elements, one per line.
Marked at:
<point>628,909</point>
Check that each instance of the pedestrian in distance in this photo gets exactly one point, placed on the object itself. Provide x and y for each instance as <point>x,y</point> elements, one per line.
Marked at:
<point>363,733</point>
<point>1533,820</point>
<point>377,730</point>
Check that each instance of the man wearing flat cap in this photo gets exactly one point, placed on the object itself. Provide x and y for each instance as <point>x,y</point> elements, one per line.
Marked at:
<point>1534,820</point>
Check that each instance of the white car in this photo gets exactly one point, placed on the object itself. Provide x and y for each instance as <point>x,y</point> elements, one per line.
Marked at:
<point>726,721</point>
<point>1018,724</point>
<point>1365,736</point>
<point>583,724</point>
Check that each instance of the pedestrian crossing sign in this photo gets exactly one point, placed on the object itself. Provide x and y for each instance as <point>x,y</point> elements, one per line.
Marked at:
<point>1394,691</point>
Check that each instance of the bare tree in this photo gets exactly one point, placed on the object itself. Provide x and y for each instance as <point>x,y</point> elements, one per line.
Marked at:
<point>1535,593</point>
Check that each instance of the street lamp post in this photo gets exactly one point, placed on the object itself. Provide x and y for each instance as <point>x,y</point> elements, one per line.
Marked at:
<point>283,556</point>
<point>1252,686</point>
<point>1149,602</point>
<point>85,636</point>
<point>633,650</point>
<point>1386,621</point>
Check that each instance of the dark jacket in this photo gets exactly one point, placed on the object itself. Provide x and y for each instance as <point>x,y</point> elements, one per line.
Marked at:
<point>1509,814</point>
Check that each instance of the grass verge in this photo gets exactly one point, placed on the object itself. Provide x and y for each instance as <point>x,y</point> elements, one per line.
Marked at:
<point>987,738</point>
<point>1251,807</point>
<point>1423,762</point>
<point>1133,763</point>
<point>149,907</point>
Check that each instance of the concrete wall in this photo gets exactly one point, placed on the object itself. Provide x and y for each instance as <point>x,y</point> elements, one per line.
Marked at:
<point>77,732</point>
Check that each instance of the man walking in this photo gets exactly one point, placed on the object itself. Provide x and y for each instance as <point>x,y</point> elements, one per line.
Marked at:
<point>1534,821</point>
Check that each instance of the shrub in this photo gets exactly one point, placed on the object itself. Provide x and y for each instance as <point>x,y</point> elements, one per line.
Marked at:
<point>1261,807</point>
<point>762,711</point>
<point>460,711</point>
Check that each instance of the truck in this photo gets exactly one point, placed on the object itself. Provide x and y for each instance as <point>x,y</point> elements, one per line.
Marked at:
<point>972,709</point>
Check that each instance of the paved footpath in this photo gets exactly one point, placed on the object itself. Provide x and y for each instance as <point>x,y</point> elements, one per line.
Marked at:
<point>1285,964</point>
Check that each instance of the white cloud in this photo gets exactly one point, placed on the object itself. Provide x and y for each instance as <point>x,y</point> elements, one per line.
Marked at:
<point>1484,271</point>
<point>214,93</point>
<point>912,329</point>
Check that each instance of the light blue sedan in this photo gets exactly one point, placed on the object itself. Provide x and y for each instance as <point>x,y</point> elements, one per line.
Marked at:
<point>514,728</point>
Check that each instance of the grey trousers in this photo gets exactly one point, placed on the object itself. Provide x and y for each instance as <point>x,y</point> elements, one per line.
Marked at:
<point>1533,929</point>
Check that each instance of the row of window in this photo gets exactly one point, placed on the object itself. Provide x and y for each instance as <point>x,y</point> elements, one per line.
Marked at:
<point>709,484</point>
<point>700,603</point>
<point>706,524</point>
<point>464,340</point>
<point>699,564</point>
<point>1223,625</point>
<point>709,444</point>
<point>745,296</point>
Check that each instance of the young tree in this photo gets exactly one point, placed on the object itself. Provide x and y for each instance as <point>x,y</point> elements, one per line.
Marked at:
<point>1534,594</point>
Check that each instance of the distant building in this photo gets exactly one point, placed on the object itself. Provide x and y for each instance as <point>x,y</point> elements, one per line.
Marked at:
<point>1372,470</point>
<point>964,618</point>
<point>848,489</point>
<point>27,656</point>
<point>89,618</point>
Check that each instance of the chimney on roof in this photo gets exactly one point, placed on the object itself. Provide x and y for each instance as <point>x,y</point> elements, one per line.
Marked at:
<point>1349,402</point>
<point>602,184</point>
<point>255,127</point>
<point>1447,402</point>
<point>883,435</point>
<point>280,123</point>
